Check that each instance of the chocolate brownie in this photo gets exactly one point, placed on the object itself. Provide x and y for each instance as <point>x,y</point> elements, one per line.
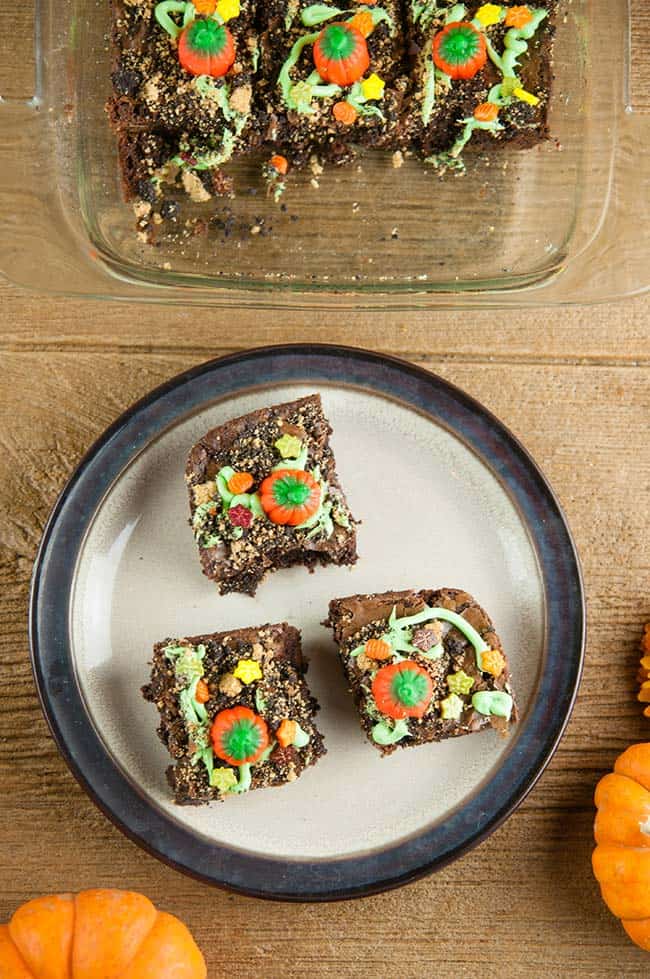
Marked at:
<point>197,84</point>
<point>305,112</point>
<point>422,666</point>
<point>264,494</point>
<point>203,120</point>
<point>505,100</point>
<point>235,711</point>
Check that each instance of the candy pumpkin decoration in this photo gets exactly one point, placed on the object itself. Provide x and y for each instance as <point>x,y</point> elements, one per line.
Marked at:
<point>621,860</point>
<point>341,54</point>
<point>206,48</point>
<point>103,934</point>
<point>402,689</point>
<point>290,496</point>
<point>459,50</point>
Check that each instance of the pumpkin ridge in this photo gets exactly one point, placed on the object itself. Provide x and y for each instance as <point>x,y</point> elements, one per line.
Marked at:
<point>144,939</point>
<point>126,964</point>
<point>9,947</point>
<point>73,901</point>
<point>42,930</point>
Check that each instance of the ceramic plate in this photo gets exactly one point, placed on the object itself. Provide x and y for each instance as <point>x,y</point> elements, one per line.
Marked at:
<point>447,496</point>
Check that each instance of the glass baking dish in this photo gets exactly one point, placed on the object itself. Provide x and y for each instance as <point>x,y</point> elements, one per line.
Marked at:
<point>568,221</point>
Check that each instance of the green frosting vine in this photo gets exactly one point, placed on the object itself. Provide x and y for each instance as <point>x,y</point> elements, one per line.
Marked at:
<point>188,670</point>
<point>515,44</point>
<point>496,702</point>
<point>168,24</point>
<point>284,78</point>
<point>244,783</point>
<point>203,537</point>
<point>301,738</point>
<point>399,633</point>
<point>318,13</point>
<point>298,463</point>
<point>321,521</point>
<point>470,127</point>
<point>207,87</point>
<point>383,733</point>
<point>358,101</point>
<point>455,13</point>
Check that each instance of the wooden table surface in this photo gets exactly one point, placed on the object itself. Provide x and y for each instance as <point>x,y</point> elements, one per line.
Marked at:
<point>574,385</point>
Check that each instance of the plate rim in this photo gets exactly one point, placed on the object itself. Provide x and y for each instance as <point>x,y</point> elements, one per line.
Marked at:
<point>254,875</point>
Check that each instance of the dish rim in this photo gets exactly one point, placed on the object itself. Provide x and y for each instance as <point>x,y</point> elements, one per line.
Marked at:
<point>90,760</point>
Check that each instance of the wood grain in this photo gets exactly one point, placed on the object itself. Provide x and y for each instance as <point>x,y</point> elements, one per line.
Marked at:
<point>575,386</point>
<point>576,391</point>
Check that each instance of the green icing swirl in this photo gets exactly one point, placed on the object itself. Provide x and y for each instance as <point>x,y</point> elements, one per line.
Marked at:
<point>316,13</point>
<point>455,13</point>
<point>399,633</point>
<point>301,738</point>
<point>515,44</point>
<point>383,733</point>
<point>470,127</point>
<point>284,77</point>
<point>496,702</point>
<point>429,89</point>
<point>167,7</point>
<point>445,615</point>
<point>301,459</point>
<point>206,86</point>
<point>244,783</point>
<point>188,670</point>
<point>358,101</point>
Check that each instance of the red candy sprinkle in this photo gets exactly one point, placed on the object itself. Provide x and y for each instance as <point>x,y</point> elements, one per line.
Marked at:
<point>240,516</point>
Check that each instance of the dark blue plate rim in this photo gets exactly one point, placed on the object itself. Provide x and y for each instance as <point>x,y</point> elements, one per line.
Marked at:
<point>91,762</point>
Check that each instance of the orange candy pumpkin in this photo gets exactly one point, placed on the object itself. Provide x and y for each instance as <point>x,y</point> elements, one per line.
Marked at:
<point>102,934</point>
<point>621,860</point>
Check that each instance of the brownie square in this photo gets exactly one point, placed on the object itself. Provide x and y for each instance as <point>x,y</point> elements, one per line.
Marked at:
<point>202,121</point>
<point>250,476</point>
<point>440,110</point>
<point>309,126</point>
<point>422,666</point>
<point>235,711</point>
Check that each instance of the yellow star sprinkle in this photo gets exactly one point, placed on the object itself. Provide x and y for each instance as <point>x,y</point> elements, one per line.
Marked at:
<point>525,96</point>
<point>373,87</point>
<point>227,9</point>
<point>247,670</point>
<point>451,707</point>
<point>223,779</point>
<point>289,446</point>
<point>488,14</point>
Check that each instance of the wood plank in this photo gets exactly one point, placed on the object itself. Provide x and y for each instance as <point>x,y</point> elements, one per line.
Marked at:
<point>601,334</point>
<point>587,426</point>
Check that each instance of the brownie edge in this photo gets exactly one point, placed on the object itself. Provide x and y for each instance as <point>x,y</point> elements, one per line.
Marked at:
<point>422,666</point>
<point>251,677</point>
<point>241,535</point>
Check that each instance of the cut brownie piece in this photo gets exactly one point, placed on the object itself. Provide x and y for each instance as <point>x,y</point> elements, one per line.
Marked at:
<point>422,666</point>
<point>358,94</point>
<point>235,711</point>
<point>204,120</point>
<point>505,100</point>
<point>264,494</point>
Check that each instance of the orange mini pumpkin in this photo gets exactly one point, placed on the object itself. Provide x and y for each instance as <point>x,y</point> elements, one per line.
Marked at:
<point>621,860</point>
<point>102,934</point>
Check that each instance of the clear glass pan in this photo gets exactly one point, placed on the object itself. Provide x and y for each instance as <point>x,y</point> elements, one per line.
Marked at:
<point>568,221</point>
